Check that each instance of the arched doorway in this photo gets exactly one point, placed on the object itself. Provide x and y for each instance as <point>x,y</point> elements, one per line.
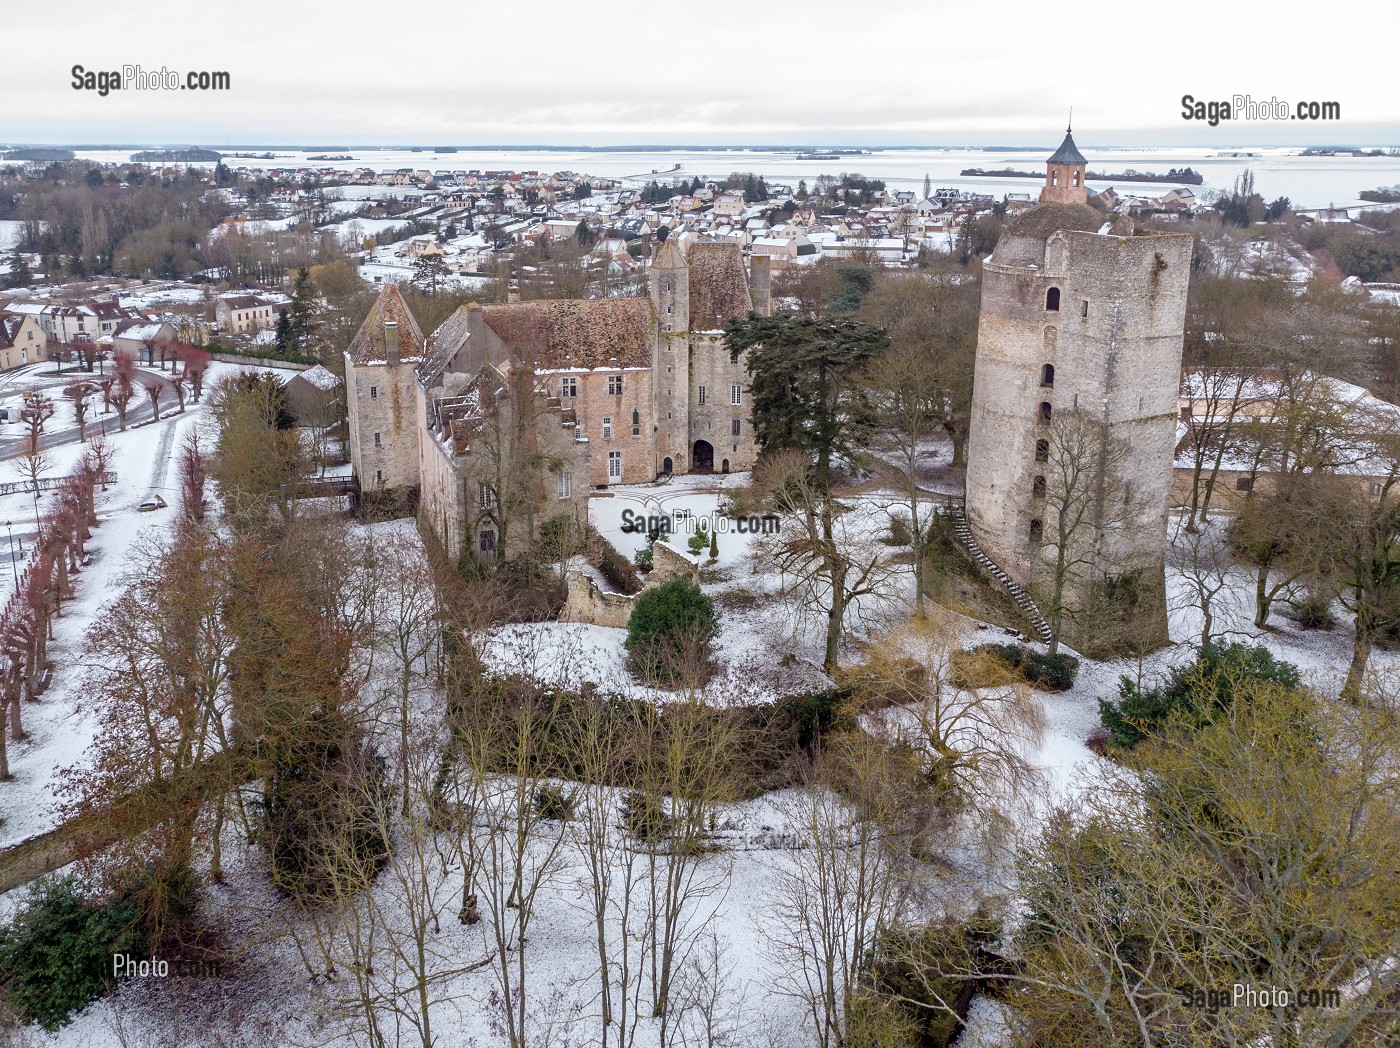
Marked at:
<point>724,466</point>
<point>702,457</point>
<point>666,467</point>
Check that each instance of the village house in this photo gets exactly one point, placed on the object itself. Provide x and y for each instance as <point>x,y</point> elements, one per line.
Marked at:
<point>240,313</point>
<point>22,340</point>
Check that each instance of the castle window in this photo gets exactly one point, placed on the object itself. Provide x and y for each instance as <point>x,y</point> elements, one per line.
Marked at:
<point>377,442</point>
<point>615,385</point>
<point>607,429</point>
<point>1076,180</point>
<point>1038,488</point>
<point>736,428</point>
<point>488,496</point>
<point>1054,176</point>
<point>373,392</point>
<point>566,484</point>
<point>1244,483</point>
<point>700,399</point>
<point>614,465</point>
<point>1052,300</point>
<point>636,423</point>
<point>736,394</point>
<point>1045,411</point>
<point>488,542</point>
<point>379,476</point>
<point>568,386</point>
<point>1084,308</point>
<point>1047,375</point>
<point>1375,488</point>
<point>1037,530</point>
<point>1042,451</point>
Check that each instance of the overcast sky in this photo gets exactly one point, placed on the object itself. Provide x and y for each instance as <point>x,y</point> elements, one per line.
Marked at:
<point>609,72</point>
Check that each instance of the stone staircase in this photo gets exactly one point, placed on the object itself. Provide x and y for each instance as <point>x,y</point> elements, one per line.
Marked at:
<point>1013,588</point>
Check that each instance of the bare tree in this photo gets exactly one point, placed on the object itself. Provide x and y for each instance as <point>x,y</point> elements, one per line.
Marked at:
<point>78,394</point>
<point>1086,499</point>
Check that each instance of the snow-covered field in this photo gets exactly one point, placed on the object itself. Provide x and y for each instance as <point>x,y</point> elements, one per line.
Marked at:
<point>268,997</point>
<point>142,459</point>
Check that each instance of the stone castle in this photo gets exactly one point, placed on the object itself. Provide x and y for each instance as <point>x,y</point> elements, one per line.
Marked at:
<point>506,416</point>
<point>1074,410</point>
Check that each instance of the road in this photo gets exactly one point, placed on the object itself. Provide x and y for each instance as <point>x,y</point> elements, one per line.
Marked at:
<point>14,435</point>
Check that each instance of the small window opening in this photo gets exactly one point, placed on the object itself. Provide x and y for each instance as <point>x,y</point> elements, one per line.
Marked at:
<point>1037,530</point>
<point>1042,451</point>
<point>1047,375</point>
<point>1038,487</point>
<point>1052,300</point>
<point>1045,411</point>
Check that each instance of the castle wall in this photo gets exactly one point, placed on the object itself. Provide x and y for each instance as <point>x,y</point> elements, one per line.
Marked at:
<point>713,421</point>
<point>380,400</point>
<point>1115,346</point>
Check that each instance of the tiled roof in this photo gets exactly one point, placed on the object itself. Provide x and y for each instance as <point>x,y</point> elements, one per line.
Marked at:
<point>577,334</point>
<point>367,347</point>
<point>719,288</point>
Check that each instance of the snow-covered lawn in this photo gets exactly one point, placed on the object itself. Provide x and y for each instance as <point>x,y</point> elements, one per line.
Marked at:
<point>143,460</point>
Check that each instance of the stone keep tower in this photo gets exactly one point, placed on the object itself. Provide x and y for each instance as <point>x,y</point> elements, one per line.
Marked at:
<point>1074,409</point>
<point>669,284</point>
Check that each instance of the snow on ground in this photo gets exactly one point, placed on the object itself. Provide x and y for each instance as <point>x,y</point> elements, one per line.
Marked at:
<point>758,628</point>
<point>142,459</point>
<point>11,230</point>
<point>159,297</point>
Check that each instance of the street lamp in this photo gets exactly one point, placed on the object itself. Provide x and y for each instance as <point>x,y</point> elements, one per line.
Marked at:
<point>13,568</point>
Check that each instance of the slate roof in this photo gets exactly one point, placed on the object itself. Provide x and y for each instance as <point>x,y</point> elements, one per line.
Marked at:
<point>1068,153</point>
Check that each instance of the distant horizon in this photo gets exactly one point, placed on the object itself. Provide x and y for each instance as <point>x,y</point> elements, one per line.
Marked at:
<point>657,147</point>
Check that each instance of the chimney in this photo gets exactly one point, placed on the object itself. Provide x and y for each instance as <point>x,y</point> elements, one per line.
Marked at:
<point>391,342</point>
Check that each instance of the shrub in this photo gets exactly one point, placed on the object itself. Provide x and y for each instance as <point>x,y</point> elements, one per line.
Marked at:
<point>56,954</point>
<point>1199,692</point>
<point>619,572</point>
<point>900,532</point>
<point>670,630</point>
<point>1314,612</point>
<point>644,559</point>
<point>644,818</point>
<point>1040,670</point>
<point>698,542</point>
<point>552,802</point>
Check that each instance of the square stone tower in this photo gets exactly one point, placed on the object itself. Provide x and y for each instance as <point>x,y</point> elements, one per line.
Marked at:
<point>1074,410</point>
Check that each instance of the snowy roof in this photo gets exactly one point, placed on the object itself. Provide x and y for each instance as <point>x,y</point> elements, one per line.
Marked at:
<point>320,377</point>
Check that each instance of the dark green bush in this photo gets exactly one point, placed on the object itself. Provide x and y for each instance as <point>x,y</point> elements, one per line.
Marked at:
<point>644,818</point>
<point>670,631</point>
<point>1040,670</point>
<point>552,802</point>
<point>1199,691</point>
<point>56,954</point>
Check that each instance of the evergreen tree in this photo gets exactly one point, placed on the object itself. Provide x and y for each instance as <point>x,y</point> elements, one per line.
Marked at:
<point>285,339</point>
<point>806,388</point>
<point>20,274</point>
<point>586,237</point>
<point>298,315</point>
